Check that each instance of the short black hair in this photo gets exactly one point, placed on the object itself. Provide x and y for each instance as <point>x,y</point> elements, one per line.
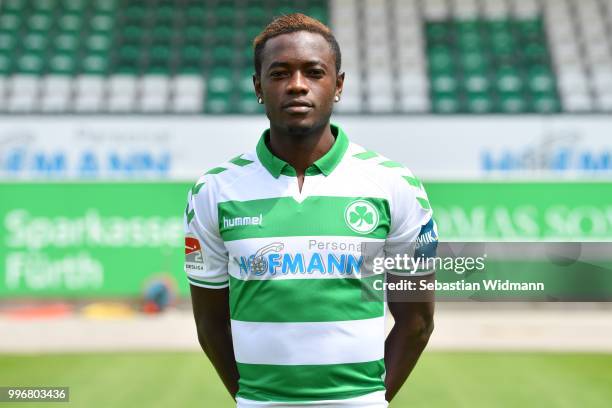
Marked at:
<point>292,23</point>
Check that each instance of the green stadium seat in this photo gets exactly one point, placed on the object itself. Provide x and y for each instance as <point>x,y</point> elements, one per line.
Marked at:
<point>499,27</point>
<point>162,35</point>
<point>191,54</point>
<point>14,5</point>
<point>437,32</point>
<point>220,81</point>
<point>132,33</point>
<point>102,23</point>
<point>5,64</point>
<point>467,26</point>
<point>35,42</point>
<point>479,102</point>
<point>40,22</point>
<point>470,42</point>
<point>10,22</point>
<point>244,58</point>
<point>222,55</point>
<point>545,103</point>
<point>541,80</point>
<point>70,23</point>
<point>160,53</point>
<point>529,29</point>
<point>224,14</point>
<point>98,43</point>
<point>512,103</point>
<point>129,52</point>
<point>187,69</point>
<point>31,63</point>
<point>245,84</point>
<point>157,68</point>
<point>284,10</point>
<point>74,5</point>
<point>477,83</point>
<point>256,14</point>
<point>534,52</point>
<point>134,12</point>
<point>444,83</point>
<point>318,12</point>
<point>196,13</point>
<point>252,31</point>
<point>194,33</point>
<point>248,104</point>
<point>445,103</point>
<point>474,62</point>
<point>104,5</point>
<point>509,80</point>
<point>62,63</point>
<point>66,42</point>
<point>94,64</point>
<point>126,69</point>
<point>502,44</point>
<point>8,43</point>
<point>43,5</point>
<point>441,60</point>
<point>224,34</point>
<point>164,15</point>
<point>218,103</point>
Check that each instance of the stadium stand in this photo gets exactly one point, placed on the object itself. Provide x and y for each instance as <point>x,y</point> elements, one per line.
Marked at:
<point>401,56</point>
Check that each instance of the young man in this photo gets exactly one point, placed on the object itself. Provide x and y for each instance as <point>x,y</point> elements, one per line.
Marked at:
<point>273,240</point>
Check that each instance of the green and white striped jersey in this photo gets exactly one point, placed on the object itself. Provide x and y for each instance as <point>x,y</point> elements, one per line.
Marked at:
<point>302,334</point>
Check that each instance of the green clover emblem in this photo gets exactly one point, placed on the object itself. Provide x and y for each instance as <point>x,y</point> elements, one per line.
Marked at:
<point>360,215</point>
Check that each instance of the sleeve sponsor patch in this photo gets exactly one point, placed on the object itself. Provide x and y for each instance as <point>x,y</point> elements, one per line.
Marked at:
<point>427,240</point>
<point>194,256</point>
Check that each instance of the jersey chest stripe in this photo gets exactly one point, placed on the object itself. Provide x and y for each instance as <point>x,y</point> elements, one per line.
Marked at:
<point>260,382</point>
<point>317,216</point>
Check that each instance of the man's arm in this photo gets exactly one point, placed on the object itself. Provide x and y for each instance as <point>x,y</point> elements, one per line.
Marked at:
<point>211,312</point>
<point>408,338</point>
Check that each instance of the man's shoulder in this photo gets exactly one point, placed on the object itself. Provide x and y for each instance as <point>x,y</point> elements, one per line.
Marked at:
<point>226,173</point>
<point>388,173</point>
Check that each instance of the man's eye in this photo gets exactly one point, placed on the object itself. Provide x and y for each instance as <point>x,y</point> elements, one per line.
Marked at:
<point>277,74</point>
<point>316,72</point>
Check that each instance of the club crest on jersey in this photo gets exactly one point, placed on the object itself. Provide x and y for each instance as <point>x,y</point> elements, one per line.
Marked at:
<point>361,216</point>
<point>194,257</point>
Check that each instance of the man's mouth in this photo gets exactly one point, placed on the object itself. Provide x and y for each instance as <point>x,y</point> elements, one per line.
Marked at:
<point>297,107</point>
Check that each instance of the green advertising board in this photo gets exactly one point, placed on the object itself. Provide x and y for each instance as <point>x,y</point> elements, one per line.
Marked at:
<point>528,211</point>
<point>108,239</point>
<point>95,239</point>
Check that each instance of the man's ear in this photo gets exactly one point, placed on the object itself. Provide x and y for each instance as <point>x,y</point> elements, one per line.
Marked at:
<point>339,83</point>
<point>257,85</point>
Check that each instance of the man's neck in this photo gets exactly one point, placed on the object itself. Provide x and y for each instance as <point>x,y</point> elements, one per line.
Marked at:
<point>301,151</point>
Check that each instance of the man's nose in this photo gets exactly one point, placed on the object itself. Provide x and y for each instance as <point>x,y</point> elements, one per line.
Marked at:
<point>297,84</point>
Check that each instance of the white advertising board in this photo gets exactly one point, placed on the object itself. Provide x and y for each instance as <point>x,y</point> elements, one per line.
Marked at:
<point>181,148</point>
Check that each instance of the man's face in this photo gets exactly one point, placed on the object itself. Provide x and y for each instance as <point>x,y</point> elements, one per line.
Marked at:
<point>298,81</point>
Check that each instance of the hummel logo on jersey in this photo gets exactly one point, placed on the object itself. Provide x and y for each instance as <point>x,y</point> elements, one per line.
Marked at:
<point>242,221</point>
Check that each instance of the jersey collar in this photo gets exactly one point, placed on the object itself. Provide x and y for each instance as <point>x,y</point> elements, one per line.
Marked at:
<point>324,165</point>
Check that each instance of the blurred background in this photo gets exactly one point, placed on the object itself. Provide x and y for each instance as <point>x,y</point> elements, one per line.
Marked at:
<point>111,109</point>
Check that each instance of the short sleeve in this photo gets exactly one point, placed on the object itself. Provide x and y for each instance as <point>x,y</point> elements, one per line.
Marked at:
<point>206,258</point>
<point>413,230</point>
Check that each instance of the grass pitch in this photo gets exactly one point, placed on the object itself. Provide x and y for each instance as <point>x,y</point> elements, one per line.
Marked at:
<point>454,379</point>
